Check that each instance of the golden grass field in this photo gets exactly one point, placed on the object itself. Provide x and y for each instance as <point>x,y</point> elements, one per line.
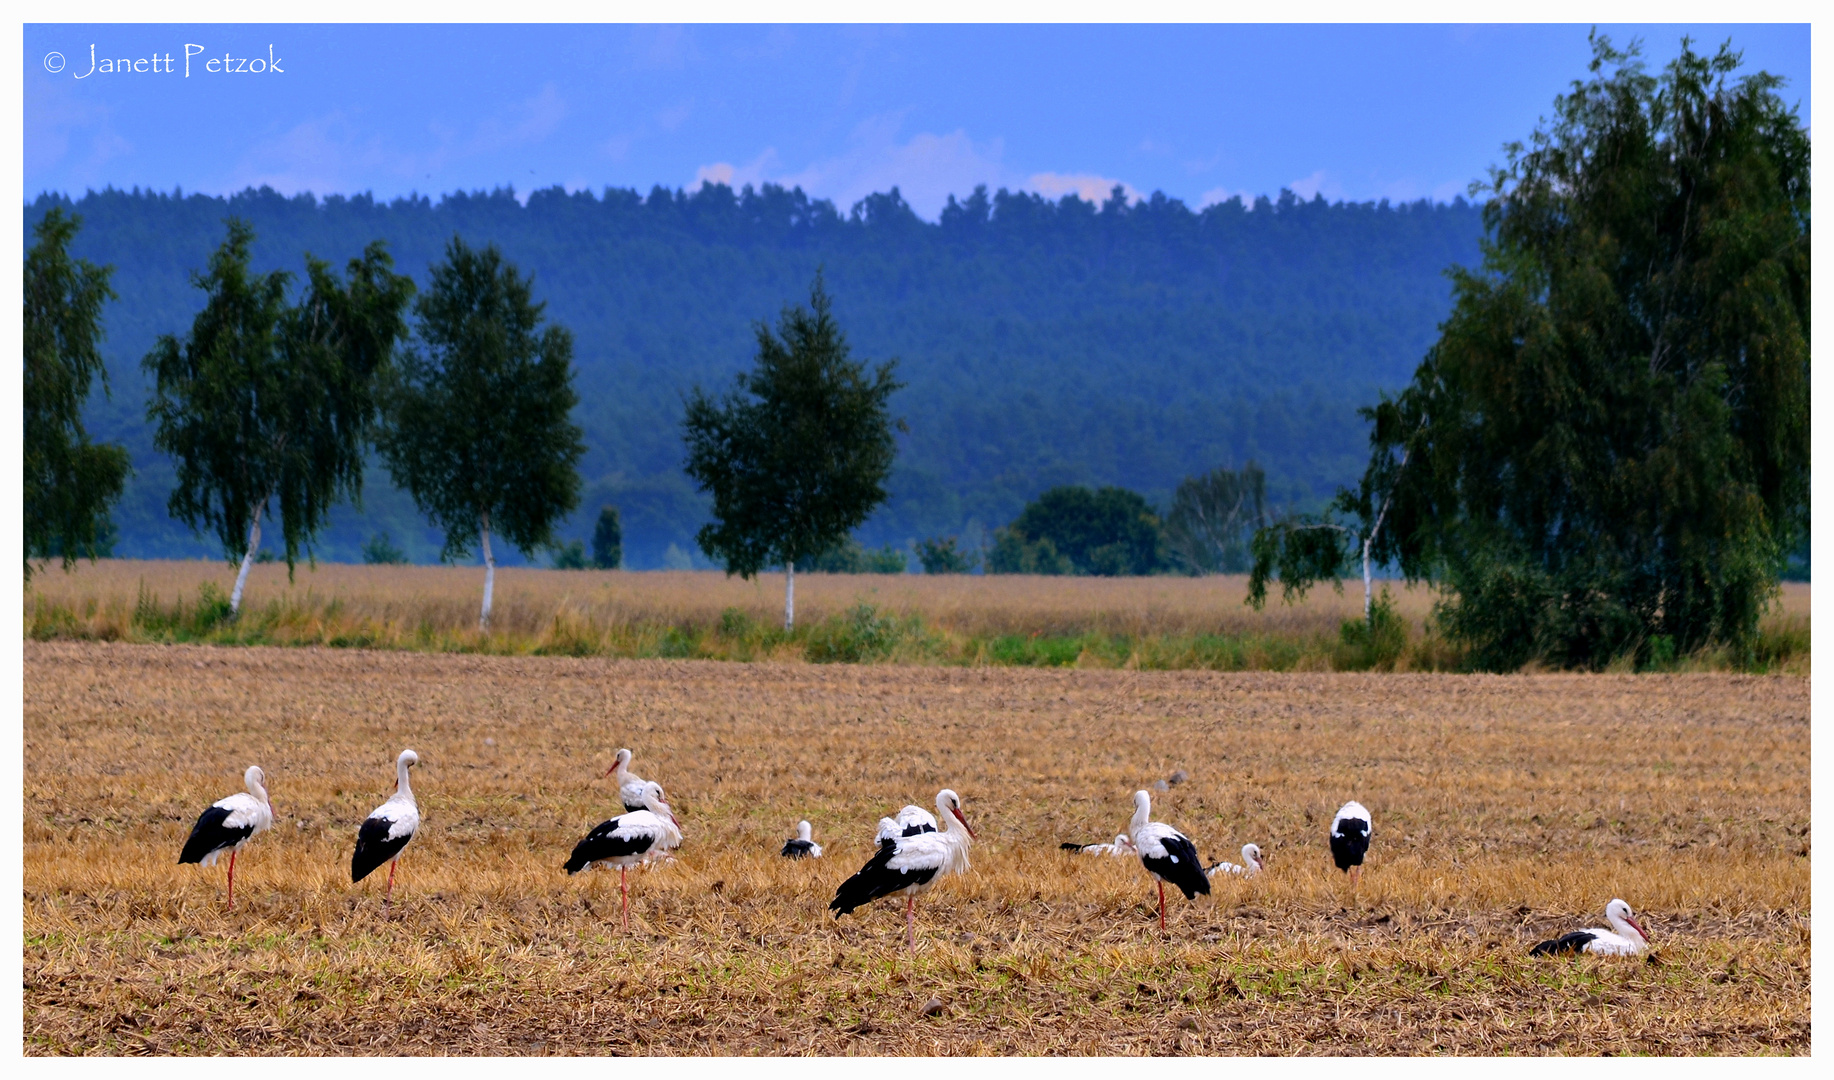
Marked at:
<point>1153,622</point>
<point>1507,809</point>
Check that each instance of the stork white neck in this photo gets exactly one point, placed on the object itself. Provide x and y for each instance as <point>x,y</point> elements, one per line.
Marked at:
<point>803,831</point>
<point>1143,811</point>
<point>255,779</point>
<point>407,758</point>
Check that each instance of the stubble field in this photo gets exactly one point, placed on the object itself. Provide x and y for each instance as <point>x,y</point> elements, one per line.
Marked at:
<point>1507,809</point>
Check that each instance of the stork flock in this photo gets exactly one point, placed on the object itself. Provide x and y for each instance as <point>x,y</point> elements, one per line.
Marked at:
<point>914,849</point>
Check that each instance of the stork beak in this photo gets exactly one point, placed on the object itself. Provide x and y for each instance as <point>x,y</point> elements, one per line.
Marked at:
<point>1639,927</point>
<point>963,820</point>
<point>608,772</point>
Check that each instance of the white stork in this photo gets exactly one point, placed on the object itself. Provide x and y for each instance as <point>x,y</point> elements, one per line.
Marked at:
<point>627,840</point>
<point>387,830</point>
<point>1625,938</point>
<point>630,785</point>
<point>1167,854</point>
<point>906,865</point>
<point>802,847</point>
<point>1251,863</point>
<point>229,823</point>
<point>910,821</point>
<point>1350,832</point>
<point>1122,845</point>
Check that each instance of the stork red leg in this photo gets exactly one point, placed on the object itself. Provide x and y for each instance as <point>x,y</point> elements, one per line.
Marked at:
<point>387,896</point>
<point>1162,907</point>
<point>624,895</point>
<point>232,882</point>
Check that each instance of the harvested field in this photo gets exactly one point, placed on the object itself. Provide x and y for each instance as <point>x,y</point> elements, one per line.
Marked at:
<point>1007,620</point>
<point>1508,808</point>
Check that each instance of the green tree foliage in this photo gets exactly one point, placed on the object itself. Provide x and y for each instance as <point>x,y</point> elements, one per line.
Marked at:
<point>1044,341</point>
<point>798,455</point>
<point>1107,532</point>
<point>1214,517</point>
<point>945,555</point>
<point>849,557</point>
<point>69,481</point>
<point>379,550</point>
<point>570,556</point>
<point>1608,446</point>
<point>478,430</point>
<point>268,407</point>
<point>608,540</point>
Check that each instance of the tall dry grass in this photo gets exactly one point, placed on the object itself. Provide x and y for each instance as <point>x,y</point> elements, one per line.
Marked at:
<point>1508,808</point>
<point>1160,622</point>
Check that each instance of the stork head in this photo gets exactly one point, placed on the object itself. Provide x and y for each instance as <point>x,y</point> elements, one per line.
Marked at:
<point>622,761</point>
<point>1123,841</point>
<point>254,779</point>
<point>407,760</point>
<point>948,802</point>
<point>652,798</point>
<point>803,831</point>
<point>1251,856</point>
<point>1619,914</point>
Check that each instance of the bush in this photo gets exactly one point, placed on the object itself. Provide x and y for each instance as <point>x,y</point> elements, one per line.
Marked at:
<point>1375,643</point>
<point>570,556</point>
<point>940,555</point>
<point>1013,554</point>
<point>379,550</point>
<point>848,557</point>
<point>860,636</point>
<point>1108,532</point>
<point>608,540</point>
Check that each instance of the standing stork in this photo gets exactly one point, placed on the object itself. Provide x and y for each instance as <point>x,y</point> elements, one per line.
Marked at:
<point>1625,938</point>
<point>387,829</point>
<point>630,785</point>
<point>1167,854</point>
<point>229,823</point>
<point>1250,866</point>
<point>627,840</point>
<point>1350,832</point>
<point>1122,846</point>
<point>906,865</point>
<point>802,847</point>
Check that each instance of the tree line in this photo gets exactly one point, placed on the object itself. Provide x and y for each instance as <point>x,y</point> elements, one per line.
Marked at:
<point>1604,452</point>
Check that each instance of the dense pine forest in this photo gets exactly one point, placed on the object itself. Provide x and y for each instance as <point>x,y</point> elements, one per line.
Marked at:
<point>1041,342</point>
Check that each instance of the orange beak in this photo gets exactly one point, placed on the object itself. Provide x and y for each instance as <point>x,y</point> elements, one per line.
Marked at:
<point>963,820</point>
<point>1639,927</point>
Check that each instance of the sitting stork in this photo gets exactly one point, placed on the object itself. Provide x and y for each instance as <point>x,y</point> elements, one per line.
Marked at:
<point>1350,832</point>
<point>387,830</point>
<point>802,847</point>
<point>1625,938</point>
<point>1167,854</point>
<point>907,865</point>
<point>630,785</point>
<point>1121,846</point>
<point>1250,866</point>
<point>229,823</point>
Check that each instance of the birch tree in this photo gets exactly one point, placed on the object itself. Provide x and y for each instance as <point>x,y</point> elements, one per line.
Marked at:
<point>798,454</point>
<point>478,430</point>
<point>69,481</point>
<point>266,408</point>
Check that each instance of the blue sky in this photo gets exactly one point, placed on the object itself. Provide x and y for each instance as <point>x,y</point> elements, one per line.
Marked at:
<point>1200,112</point>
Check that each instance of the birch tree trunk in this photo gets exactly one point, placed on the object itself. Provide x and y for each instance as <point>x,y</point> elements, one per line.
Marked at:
<point>1367,584</point>
<point>490,571</point>
<point>789,595</point>
<point>248,559</point>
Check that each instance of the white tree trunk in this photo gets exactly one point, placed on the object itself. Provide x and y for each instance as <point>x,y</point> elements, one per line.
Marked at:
<point>490,572</point>
<point>248,559</point>
<point>789,595</point>
<point>1367,584</point>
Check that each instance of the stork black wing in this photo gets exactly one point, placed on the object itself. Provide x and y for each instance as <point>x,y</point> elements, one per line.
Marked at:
<point>1068,846</point>
<point>210,834</point>
<point>1180,867</point>
<point>1349,843</point>
<point>374,847</point>
<point>920,827</point>
<point>876,879</point>
<point>604,843</point>
<point>796,849</point>
<point>1565,945</point>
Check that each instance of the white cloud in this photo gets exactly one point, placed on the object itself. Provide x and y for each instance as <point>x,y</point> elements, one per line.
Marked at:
<point>1086,186</point>
<point>1318,183</point>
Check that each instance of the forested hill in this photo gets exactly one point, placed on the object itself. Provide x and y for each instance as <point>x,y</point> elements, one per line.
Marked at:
<point>1042,343</point>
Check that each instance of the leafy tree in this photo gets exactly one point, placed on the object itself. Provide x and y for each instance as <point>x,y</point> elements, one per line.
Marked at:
<point>478,428</point>
<point>608,540</point>
<point>798,455</point>
<point>1107,532</point>
<point>380,550</point>
<point>265,403</point>
<point>849,557</point>
<point>944,555</point>
<point>1607,450</point>
<point>69,481</point>
<point>570,556</point>
<point>1213,518</point>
